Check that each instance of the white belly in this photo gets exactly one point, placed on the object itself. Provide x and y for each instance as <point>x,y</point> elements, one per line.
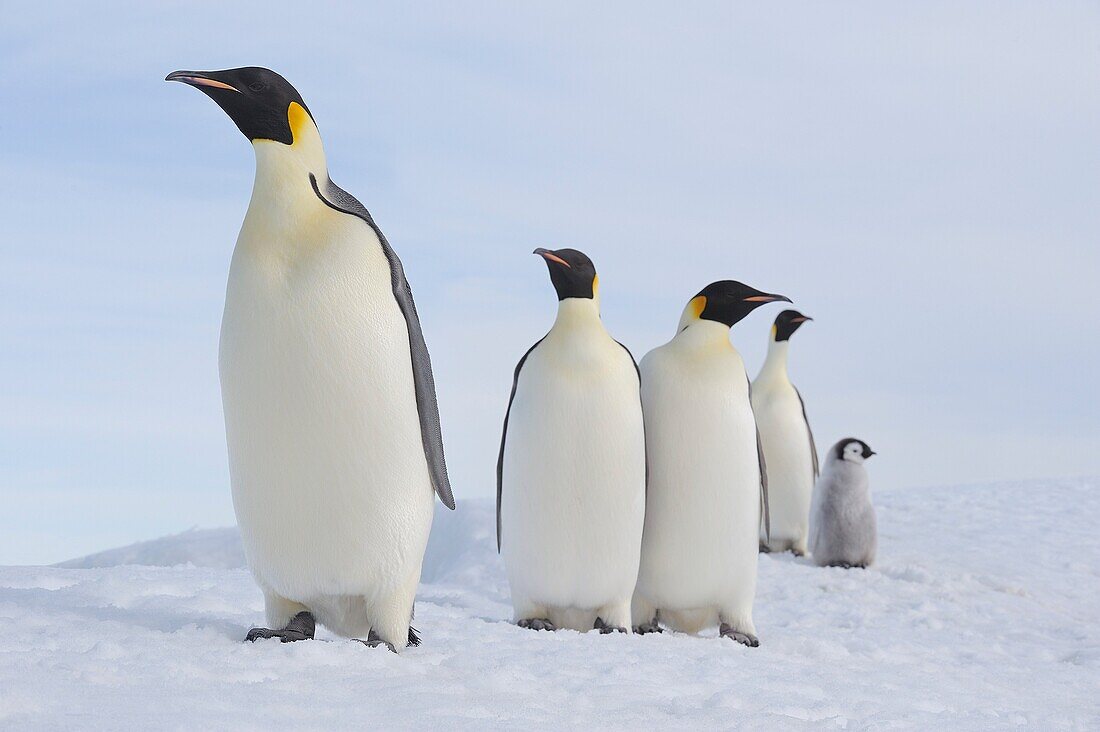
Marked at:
<point>573,496</point>
<point>330,483</point>
<point>786,442</point>
<point>703,506</point>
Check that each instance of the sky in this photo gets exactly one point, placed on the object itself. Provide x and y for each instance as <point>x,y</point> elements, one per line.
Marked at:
<point>922,179</point>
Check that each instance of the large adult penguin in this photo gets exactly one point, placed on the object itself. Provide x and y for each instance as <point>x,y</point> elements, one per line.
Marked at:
<point>788,443</point>
<point>571,470</point>
<point>707,482</point>
<point>330,408</point>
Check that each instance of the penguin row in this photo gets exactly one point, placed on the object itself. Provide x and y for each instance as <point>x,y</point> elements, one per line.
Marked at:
<point>628,496</point>
<point>638,495</point>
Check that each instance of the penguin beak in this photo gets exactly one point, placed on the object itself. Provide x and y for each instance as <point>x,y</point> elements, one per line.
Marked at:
<point>549,256</point>
<point>199,79</point>
<point>801,319</point>
<point>764,297</point>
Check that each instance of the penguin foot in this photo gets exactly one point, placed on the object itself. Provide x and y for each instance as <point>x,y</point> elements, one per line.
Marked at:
<point>651,627</point>
<point>374,640</point>
<point>847,565</point>
<point>798,552</point>
<point>765,549</point>
<point>536,624</point>
<point>604,628</point>
<point>727,631</point>
<point>301,627</point>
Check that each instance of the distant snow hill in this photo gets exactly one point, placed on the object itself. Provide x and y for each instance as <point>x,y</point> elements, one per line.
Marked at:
<point>461,542</point>
<point>982,612</point>
<point>218,548</point>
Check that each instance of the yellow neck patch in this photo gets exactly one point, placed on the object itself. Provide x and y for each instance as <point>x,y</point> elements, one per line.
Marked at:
<point>298,118</point>
<point>697,306</point>
<point>775,331</point>
<point>595,285</point>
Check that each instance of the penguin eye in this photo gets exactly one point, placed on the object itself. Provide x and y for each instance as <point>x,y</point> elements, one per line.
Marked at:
<point>257,86</point>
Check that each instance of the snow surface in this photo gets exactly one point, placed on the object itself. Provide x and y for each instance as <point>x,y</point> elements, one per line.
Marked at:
<point>983,612</point>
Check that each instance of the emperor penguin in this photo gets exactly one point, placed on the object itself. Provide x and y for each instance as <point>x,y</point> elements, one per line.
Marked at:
<point>707,484</point>
<point>843,531</point>
<point>788,443</point>
<point>331,419</point>
<point>571,471</point>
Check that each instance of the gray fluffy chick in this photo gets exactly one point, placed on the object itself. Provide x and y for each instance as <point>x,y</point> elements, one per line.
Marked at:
<point>842,519</point>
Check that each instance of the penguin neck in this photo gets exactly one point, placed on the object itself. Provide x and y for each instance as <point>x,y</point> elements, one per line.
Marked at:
<point>705,334</point>
<point>576,313</point>
<point>775,365</point>
<point>282,191</point>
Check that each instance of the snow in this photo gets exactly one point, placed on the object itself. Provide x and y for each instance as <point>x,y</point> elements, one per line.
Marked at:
<point>983,612</point>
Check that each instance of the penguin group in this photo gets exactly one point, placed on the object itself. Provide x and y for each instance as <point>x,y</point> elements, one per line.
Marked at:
<point>631,496</point>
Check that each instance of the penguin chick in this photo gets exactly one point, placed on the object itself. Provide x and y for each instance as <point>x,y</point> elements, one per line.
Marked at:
<point>571,469</point>
<point>330,408</point>
<point>788,442</point>
<point>707,483</point>
<point>842,519</point>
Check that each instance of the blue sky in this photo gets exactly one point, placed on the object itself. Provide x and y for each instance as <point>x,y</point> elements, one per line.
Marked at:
<point>921,178</point>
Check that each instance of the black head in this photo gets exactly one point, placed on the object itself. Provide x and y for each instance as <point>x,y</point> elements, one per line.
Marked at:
<point>571,271</point>
<point>787,322</point>
<point>258,100</point>
<point>852,450</point>
<point>727,301</point>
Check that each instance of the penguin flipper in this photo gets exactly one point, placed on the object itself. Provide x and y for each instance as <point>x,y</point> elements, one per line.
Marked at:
<point>504,434</point>
<point>813,446</point>
<point>427,406</point>
<point>634,361</point>
<point>764,508</point>
<point>638,371</point>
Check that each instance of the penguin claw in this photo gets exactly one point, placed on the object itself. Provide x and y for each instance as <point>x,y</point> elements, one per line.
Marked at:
<point>286,636</point>
<point>376,643</point>
<point>604,628</point>
<point>374,640</point>
<point>301,627</point>
<point>747,639</point>
<point>651,627</point>
<point>848,565</point>
<point>536,624</point>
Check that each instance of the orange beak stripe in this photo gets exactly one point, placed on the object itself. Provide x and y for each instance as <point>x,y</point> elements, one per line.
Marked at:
<point>199,81</point>
<point>554,258</point>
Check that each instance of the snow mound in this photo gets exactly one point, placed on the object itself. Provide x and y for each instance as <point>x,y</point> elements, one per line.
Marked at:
<point>460,544</point>
<point>218,548</point>
<point>983,612</point>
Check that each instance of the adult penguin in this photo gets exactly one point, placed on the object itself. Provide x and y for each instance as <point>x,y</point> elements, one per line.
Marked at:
<point>788,442</point>
<point>571,470</point>
<point>330,408</point>
<point>707,482</point>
